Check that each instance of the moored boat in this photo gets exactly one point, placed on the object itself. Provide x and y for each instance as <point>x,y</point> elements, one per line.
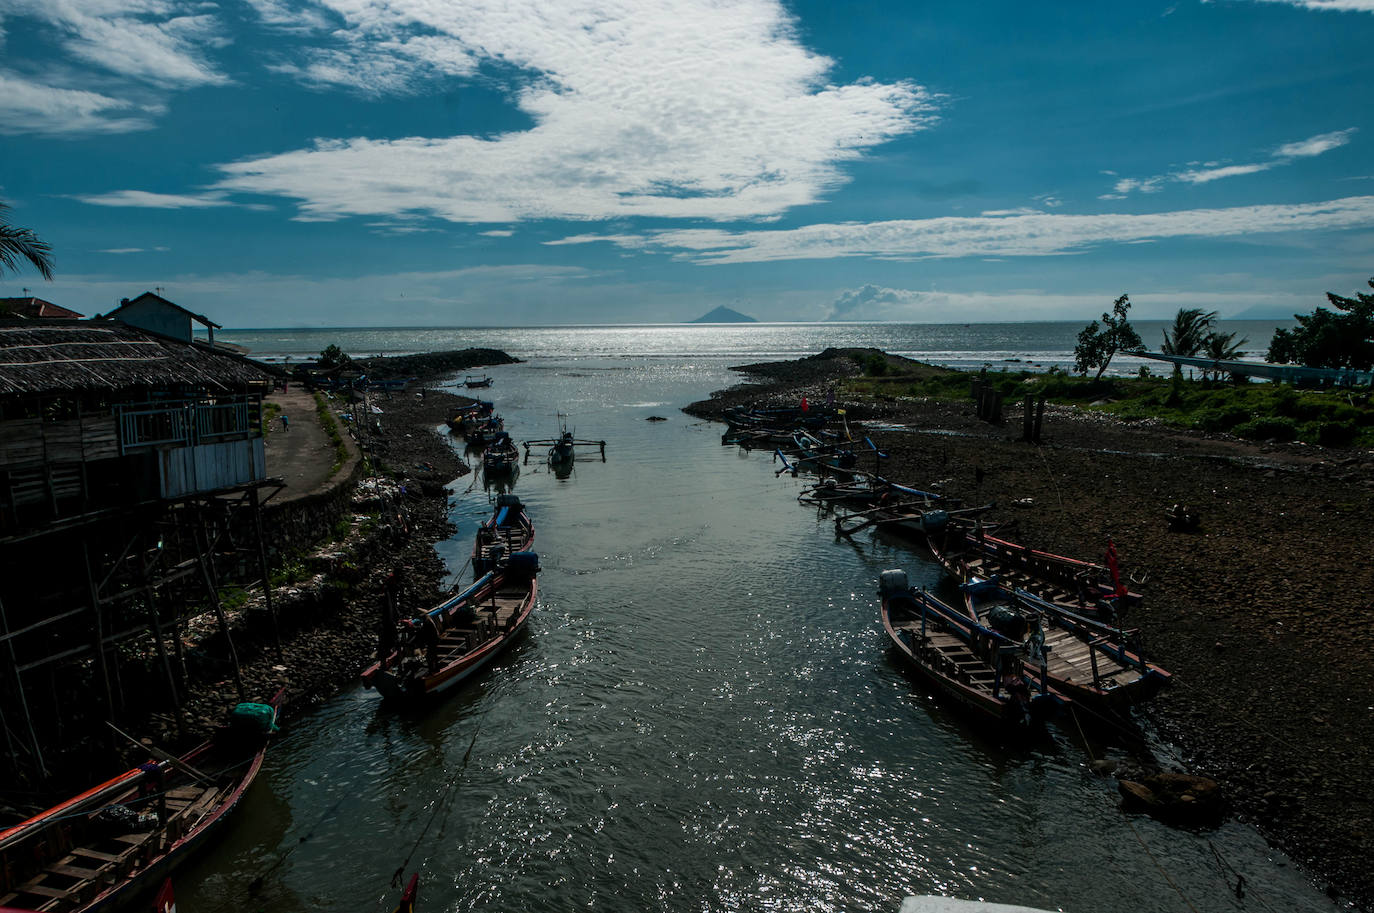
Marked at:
<point>474,382</point>
<point>1085,659</point>
<point>501,455</point>
<point>480,432</point>
<point>509,530</point>
<point>1075,585</point>
<point>452,641</point>
<point>469,415</point>
<point>969,664</point>
<point>119,840</point>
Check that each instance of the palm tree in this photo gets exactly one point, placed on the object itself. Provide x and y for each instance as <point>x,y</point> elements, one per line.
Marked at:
<point>19,244</point>
<point>1189,332</point>
<point>1221,347</point>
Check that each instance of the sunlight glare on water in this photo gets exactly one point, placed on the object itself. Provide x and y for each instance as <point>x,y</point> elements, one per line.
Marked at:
<point>704,715</point>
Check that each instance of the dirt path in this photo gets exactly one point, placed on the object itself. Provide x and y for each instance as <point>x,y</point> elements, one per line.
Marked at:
<point>298,450</point>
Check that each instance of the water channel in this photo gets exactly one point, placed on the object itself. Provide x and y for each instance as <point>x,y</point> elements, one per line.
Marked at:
<point>703,715</point>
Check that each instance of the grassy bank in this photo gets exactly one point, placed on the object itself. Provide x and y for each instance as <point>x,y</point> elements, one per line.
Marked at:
<point>1260,412</point>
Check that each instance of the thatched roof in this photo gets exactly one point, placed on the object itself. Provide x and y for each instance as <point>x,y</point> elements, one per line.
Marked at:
<point>54,356</point>
<point>32,307</point>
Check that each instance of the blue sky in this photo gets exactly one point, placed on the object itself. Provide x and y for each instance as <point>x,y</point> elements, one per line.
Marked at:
<point>493,162</point>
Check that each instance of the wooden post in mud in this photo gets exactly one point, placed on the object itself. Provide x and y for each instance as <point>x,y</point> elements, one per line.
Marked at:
<point>1033,418</point>
<point>202,552</point>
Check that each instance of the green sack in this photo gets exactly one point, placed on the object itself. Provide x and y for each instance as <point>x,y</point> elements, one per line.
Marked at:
<point>250,717</point>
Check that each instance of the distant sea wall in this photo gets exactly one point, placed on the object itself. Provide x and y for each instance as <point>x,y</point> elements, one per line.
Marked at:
<point>429,364</point>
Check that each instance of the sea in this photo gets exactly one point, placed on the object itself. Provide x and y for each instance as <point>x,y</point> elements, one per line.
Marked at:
<point>1035,346</point>
<point>704,713</point>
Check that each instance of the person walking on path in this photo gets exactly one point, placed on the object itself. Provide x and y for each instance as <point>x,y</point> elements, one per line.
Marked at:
<point>285,422</point>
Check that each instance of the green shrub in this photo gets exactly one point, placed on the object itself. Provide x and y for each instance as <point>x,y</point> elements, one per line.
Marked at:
<point>1268,429</point>
<point>1220,419</point>
<point>875,365</point>
<point>1336,434</point>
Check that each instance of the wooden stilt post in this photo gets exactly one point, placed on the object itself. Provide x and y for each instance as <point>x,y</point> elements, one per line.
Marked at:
<point>1039,417</point>
<point>99,643</point>
<point>256,506</point>
<point>156,626</point>
<point>201,548</point>
<point>19,690</point>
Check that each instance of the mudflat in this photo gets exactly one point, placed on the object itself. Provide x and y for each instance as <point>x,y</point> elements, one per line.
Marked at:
<point>1264,613</point>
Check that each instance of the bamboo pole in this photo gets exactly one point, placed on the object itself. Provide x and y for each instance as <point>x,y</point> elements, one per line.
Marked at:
<point>23,699</point>
<point>256,506</point>
<point>197,534</point>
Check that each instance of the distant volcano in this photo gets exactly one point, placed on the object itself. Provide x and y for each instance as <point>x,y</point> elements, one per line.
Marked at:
<point>724,314</point>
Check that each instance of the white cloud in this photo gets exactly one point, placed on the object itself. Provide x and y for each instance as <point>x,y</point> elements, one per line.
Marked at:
<point>497,233</point>
<point>1005,236</point>
<point>28,107</point>
<point>875,303</point>
<point>1348,6</point>
<point>144,200</point>
<point>162,42</point>
<point>133,51</point>
<point>674,108</point>
<point>1207,172</point>
<point>1316,145</point>
<point>1206,175</point>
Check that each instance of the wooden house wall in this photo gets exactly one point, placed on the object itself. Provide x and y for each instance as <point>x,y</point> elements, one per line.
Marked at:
<point>77,440</point>
<point>207,467</point>
<point>157,318</point>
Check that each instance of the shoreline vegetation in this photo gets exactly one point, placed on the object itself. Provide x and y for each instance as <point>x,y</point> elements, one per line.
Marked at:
<point>1262,613</point>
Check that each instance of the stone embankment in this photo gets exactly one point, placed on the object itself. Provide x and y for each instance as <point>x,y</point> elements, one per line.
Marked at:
<point>429,364</point>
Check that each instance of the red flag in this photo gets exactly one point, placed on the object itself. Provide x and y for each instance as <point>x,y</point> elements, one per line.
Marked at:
<point>1117,588</point>
<point>805,404</point>
<point>166,902</point>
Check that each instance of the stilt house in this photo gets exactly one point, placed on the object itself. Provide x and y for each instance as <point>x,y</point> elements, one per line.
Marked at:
<point>124,456</point>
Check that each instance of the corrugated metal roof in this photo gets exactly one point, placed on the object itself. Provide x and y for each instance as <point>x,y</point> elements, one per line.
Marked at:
<point>41,357</point>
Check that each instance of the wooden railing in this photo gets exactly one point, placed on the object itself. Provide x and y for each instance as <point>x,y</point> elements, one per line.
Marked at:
<point>187,423</point>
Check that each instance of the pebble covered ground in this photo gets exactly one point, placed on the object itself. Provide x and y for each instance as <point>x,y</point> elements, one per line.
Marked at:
<point>1265,613</point>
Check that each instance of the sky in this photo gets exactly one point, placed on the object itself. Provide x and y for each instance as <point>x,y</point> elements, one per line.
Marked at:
<point>279,163</point>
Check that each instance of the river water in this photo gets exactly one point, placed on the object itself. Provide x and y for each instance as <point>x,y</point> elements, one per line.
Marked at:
<point>703,715</point>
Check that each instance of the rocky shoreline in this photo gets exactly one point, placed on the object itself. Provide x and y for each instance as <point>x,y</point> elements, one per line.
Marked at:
<point>329,619</point>
<point>1263,613</point>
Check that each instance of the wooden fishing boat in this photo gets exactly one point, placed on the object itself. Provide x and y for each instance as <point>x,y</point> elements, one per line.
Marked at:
<point>471,414</point>
<point>1096,664</point>
<point>868,490</point>
<point>473,382</point>
<point>789,417</point>
<point>509,530</point>
<point>563,449</point>
<point>1072,584</point>
<point>121,839</point>
<point>837,458</point>
<point>481,432</point>
<point>501,456</point>
<point>967,663</point>
<point>461,635</point>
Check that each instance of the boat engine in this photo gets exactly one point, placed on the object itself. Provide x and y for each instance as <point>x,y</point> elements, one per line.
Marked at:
<point>1008,622</point>
<point>893,583</point>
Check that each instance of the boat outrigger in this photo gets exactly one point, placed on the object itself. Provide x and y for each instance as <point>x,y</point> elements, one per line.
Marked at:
<point>563,449</point>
